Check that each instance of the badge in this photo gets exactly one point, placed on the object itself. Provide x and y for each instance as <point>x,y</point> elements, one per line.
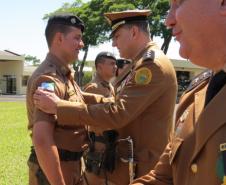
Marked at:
<point>143,76</point>
<point>47,86</point>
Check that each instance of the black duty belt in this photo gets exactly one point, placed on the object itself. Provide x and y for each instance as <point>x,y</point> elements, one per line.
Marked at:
<point>109,136</point>
<point>64,155</point>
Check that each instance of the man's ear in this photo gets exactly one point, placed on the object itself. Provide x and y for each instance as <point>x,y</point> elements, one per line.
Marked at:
<point>135,31</point>
<point>58,38</point>
<point>223,7</point>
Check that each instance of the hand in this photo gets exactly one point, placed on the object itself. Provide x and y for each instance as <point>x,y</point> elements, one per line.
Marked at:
<point>46,101</point>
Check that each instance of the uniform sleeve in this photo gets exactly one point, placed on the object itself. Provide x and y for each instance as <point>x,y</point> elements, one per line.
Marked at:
<point>91,98</point>
<point>162,173</point>
<point>134,98</point>
<point>90,88</point>
<point>39,115</point>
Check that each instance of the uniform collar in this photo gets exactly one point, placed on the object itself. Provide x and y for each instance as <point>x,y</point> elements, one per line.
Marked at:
<point>102,81</point>
<point>60,66</point>
<point>141,53</point>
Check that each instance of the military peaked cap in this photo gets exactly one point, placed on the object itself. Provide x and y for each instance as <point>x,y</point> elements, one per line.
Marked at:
<point>116,19</point>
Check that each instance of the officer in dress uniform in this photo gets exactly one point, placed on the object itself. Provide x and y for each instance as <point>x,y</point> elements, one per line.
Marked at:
<point>55,157</point>
<point>197,151</point>
<point>140,119</point>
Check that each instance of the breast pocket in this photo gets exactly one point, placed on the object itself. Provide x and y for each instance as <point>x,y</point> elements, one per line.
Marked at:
<point>176,143</point>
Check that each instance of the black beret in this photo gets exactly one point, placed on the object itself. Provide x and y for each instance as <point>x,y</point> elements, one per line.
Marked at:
<point>67,19</point>
<point>105,54</point>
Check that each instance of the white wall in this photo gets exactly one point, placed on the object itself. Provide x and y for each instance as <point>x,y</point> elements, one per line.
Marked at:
<point>12,68</point>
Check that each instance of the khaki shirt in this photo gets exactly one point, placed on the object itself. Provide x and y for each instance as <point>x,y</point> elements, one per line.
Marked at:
<point>99,86</point>
<point>194,155</point>
<point>143,109</point>
<point>52,71</point>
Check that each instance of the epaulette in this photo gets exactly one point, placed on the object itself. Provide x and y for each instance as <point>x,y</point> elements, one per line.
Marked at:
<point>199,79</point>
<point>50,69</point>
<point>149,55</point>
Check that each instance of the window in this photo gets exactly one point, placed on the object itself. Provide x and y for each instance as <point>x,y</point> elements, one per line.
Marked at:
<point>25,80</point>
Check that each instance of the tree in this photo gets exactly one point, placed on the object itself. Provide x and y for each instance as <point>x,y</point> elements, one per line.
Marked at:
<point>97,30</point>
<point>33,60</point>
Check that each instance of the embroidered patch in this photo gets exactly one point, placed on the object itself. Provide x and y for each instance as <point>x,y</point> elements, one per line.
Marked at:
<point>47,86</point>
<point>143,76</point>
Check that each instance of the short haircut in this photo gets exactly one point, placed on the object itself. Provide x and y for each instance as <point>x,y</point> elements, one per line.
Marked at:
<point>100,58</point>
<point>62,23</point>
<point>52,29</point>
<point>142,25</point>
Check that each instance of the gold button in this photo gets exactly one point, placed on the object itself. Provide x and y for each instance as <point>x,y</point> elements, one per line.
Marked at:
<point>194,168</point>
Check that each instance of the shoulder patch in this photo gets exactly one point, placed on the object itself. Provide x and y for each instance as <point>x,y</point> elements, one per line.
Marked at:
<point>149,55</point>
<point>199,79</point>
<point>143,76</point>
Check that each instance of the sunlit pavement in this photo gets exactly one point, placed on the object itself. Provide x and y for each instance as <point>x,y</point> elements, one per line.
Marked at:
<point>12,98</point>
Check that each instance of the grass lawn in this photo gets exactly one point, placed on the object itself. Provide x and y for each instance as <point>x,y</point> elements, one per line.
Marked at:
<point>14,144</point>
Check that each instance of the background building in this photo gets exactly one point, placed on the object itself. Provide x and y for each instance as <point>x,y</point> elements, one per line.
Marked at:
<point>11,73</point>
<point>14,74</point>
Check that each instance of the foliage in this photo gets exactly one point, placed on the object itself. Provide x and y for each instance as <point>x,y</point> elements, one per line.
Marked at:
<point>96,28</point>
<point>15,144</point>
<point>32,60</point>
<point>87,77</point>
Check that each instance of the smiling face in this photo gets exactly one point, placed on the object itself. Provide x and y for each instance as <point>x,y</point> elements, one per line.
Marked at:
<point>71,43</point>
<point>198,25</point>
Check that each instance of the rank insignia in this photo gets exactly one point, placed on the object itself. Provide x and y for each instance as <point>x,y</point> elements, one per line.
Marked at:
<point>143,76</point>
<point>221,164</point>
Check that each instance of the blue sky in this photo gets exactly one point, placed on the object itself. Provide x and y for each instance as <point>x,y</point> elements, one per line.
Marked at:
<point>22,28</point>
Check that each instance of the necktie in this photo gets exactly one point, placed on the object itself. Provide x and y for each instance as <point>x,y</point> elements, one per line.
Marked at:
<point>215,85</point>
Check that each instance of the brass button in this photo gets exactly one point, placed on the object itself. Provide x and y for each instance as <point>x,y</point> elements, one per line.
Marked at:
<point>194,168</point>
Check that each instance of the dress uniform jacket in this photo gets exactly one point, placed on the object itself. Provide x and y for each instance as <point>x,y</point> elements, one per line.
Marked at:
<point>60,79</point>
<point>195,155</point>
<point>143,110</point>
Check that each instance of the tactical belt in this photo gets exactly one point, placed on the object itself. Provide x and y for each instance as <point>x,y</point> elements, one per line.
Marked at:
<point>65,155</point>
<point>100,139</point>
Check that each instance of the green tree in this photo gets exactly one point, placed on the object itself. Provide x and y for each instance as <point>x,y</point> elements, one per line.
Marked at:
<point>33,60</point>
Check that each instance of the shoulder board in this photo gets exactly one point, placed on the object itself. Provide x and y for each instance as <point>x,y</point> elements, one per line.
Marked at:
<point>149,55</point>
<point>199,79</point>
<point>50,68</point>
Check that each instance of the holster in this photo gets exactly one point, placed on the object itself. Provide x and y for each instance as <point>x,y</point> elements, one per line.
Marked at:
<point>96,161</point>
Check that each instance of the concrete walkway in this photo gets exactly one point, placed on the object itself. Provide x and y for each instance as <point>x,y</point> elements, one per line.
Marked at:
<point>12,98</point>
